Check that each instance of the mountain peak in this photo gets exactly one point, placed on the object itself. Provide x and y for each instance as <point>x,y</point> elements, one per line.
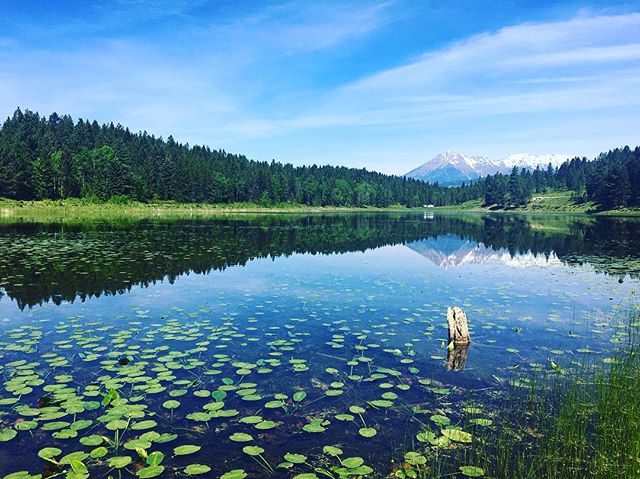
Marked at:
<point>451,168</point>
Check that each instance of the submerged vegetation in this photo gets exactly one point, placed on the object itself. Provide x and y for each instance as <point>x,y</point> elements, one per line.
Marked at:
<point>143,398</point>
<point>557,422</point>
<point>151,396</point>
<point>582,421</point>
<point>288,369</point>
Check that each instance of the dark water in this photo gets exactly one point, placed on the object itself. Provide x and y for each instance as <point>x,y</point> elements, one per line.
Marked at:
<point>232,316</point>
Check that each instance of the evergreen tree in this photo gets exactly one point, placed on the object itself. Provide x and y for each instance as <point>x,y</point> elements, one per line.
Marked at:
<point>56,158</point>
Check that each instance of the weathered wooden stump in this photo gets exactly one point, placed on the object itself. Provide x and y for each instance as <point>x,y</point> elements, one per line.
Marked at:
<point>458,327</point>
<point>459,339</point>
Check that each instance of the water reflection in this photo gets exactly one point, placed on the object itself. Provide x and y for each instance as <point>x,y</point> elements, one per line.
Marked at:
<point>450,252</point>
<point>58,262</point>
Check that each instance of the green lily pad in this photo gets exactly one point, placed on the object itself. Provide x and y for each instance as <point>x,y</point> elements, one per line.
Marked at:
<point>155,458</point>
<point>99,452</point>
<point>194,469</point>
<point>332,451</point>
<point>150,471</point>
<point>252,450</point>
<point>295,458</point>
<point>234,474</point>
<point>186,449</point>
<point>118,462</point>
<point>457,435</point>
<point>241,437</point>
<point>299,396</point>
<point>472,471</point>
<point>415,458</point>
<point>367,432</point>
<point>49,452</point>
<point>7,434</point>
<point>352,462</point>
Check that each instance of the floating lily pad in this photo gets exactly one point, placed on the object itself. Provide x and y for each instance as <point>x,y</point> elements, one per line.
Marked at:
<point>472,471</point>
<point>186,449</point>
<point>195,469</point>
<point>367,432</point>
<point>457,435</point>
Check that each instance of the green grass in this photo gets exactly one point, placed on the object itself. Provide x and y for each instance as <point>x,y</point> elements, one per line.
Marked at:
<point>74,208</point>
<point>549,202</point>
<point>586,426</point>
<point>566,424</point>
<point>81,209</point>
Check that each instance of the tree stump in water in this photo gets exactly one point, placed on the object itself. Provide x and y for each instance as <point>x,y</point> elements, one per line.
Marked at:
<point>458,327</point>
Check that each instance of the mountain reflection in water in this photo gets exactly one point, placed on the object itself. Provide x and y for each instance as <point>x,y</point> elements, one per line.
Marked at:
<point>59,262</point>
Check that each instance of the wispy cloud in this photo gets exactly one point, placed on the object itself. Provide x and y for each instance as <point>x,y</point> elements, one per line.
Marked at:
<point>587,64</point>
<point>253,81</point>
<point>295,27</point>
<point>210,72</point>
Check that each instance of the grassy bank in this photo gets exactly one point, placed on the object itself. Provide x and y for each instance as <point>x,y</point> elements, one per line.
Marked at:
<point>79,209</point>
<point>584,425</point>
<point>551,202</point>
<point>574,423</point>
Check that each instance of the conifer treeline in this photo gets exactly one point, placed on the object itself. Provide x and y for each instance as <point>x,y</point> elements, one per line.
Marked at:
<point>55,157</point>
<point>612,180</point>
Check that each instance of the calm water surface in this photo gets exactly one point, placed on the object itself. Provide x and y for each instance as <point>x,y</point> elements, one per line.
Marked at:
<point>231,317</point>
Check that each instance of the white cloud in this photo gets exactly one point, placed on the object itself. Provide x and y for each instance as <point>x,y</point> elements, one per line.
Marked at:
<point>226,83</point>
<point>201,84</point>
<point>295,28</point>
<point>576,65</point>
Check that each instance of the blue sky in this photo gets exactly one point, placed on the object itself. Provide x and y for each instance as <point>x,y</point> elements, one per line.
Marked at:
<point>379,84</point>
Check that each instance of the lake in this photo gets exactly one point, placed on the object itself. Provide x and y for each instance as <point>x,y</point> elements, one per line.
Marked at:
<point>248,345</point>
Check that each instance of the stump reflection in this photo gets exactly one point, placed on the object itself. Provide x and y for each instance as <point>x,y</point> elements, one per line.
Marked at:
<point>457,357</point>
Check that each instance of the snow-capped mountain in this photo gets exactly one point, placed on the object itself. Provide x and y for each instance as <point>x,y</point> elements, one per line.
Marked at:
<point>453,168</point>
<point>527,160</point>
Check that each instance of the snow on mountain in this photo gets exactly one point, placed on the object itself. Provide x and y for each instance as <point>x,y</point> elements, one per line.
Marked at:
<point>527,160</point>
<point>452,168</point>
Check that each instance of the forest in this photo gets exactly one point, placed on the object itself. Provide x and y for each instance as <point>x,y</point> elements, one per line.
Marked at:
<point>57,158</point>
<point>51,158</point>
<point>612,180</point>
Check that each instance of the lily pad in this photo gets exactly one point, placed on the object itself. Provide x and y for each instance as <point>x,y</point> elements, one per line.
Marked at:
<point>472,471</point>
<point>457,435</point>
<point>186,449</point>
<point>195,469</point>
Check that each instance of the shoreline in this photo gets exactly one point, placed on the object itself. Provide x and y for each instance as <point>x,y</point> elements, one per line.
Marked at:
<point>77,209</point>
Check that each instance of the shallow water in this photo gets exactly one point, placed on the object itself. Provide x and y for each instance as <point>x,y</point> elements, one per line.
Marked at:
<point>228,316</point>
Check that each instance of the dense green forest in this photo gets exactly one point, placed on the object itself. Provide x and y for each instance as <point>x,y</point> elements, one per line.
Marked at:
<point>56,158</point>
<point>612,180</point>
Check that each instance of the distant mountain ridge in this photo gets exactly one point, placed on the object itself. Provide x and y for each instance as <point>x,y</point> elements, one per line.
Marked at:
<point>451,168</point>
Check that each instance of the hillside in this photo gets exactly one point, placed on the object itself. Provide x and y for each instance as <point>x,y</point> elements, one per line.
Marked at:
<point>57,158</point>
<point>552,201</point>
